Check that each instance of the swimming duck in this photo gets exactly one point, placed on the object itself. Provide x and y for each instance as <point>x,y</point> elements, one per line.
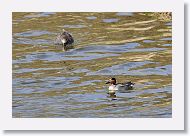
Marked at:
<point>65,39</point>
<point>121,87</point>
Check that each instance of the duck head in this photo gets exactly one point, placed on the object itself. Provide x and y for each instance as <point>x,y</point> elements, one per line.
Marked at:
<point>111,81</point>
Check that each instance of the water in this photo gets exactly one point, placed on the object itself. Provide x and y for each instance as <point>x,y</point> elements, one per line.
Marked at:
<point>49,82</point>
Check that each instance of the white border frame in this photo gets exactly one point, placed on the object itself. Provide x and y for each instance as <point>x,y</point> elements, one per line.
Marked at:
<point>174,123</point>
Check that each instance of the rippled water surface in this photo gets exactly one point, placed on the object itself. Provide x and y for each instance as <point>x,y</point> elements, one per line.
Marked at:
<point>50,82</point>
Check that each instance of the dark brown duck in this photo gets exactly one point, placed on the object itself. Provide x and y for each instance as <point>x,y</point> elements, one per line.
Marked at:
<point>65,39</point>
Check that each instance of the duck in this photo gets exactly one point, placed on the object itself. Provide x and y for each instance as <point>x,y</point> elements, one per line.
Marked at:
<point>120,87</point>
<point>65,39</point>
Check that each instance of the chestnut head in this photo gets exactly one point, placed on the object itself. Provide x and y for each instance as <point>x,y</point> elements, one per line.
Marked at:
<point>111,81</point>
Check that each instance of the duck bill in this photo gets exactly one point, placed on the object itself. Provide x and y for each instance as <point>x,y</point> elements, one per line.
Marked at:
<point>107,82</point>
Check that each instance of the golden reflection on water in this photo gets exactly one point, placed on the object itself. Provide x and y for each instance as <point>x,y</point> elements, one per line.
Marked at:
<point>133,47</point>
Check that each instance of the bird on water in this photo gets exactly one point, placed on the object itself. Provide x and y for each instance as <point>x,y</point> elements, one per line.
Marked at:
<point>120,87</point>
<point>64,39</point>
